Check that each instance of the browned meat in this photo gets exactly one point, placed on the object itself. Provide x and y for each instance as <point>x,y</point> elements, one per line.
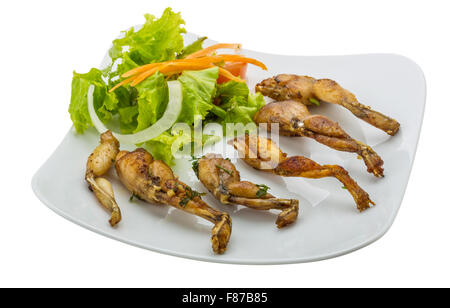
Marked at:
<point>222,179</point>
<point>263,154</point>
<point>153,181</point>
<point>295,120</point>
<point>98,164</point>
<point>308,90</point>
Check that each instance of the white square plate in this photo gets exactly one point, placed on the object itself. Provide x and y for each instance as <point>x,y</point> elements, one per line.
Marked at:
<point>328,226</point>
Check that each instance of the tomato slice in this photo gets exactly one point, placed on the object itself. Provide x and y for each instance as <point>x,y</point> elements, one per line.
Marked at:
<point>235,68</point>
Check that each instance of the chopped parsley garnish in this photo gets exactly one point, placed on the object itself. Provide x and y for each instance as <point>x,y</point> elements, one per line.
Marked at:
<point>262,190</point>
<point>194,161</point>
<point>314,101</point>
<point>190,194</point>
<point>225,170</point>
<point>133,195</point>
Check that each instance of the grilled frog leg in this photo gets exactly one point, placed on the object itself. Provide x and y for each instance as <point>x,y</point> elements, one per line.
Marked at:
<point>263,154</point>
<point>308,90</point>
<point>331,92</point>
<point>222,179</point>
<point>98,164</point>
<point>153,181</point>
<point>295,120</point>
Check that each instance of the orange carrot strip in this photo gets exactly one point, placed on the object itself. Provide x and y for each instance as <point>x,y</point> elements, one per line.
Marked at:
<point>174,67</point>
<point>180,67</point>
<point>146,67</point>
<point>122,83</point>
<point>141,77</point>
<point>223,72</point>
<point>140,69</point>
<point>209,50</point>
<point>198,63</point>
<point>217,59</point>
<point>239,58</point>
<point>204,59</point>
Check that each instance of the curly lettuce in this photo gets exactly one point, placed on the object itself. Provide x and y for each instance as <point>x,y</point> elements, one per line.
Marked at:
<point>191,48</point>
<point>157,40</point>
<point>152,100</point>
<point>104,103</point>
<point>136,108</point>
<point>229,90</point>
<point>239,104</point>
<point>161,147</point>
<point>199,88</point>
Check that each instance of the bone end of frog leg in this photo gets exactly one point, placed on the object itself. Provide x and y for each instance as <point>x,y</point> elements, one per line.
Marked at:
<point>288,216</point>
<point>221,234</point>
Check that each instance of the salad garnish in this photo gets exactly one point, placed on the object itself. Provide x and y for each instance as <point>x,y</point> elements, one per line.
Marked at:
<point>211,49</point>
<point>169,68</point>
<point>154,81</point>
<point>262,191</point>
<point>164,123</point>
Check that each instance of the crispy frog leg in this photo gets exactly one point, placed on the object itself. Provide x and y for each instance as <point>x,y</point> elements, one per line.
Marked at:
<point>308,91</point>
<point>98,164</point>
<point>222,179</point>
<point>331,92</point>
<point>153,181</point>
<point>263,154</point>
<point>295,120</point>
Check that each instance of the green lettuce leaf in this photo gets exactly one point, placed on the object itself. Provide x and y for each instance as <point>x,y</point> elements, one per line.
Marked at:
<point>126,64</point>
<point>210,139</point>
<point>242,110</point>
<point>239,111</point>
<point>198,90</point>
<point>191,48</point>
<point>256,100</point>
<point>152,100</point>
<point>126,95</point>
<point>226,91</point>
<point>158,40</point>
<point>240,114</point>
<point>128,119</point>
<point>161,147</point>
<point>104,103</point>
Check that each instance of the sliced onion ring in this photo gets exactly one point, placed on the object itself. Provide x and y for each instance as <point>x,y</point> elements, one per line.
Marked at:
<point>169,117</point>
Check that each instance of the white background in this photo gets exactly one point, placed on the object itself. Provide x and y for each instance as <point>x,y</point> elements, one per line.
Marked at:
<point>42,42</point>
